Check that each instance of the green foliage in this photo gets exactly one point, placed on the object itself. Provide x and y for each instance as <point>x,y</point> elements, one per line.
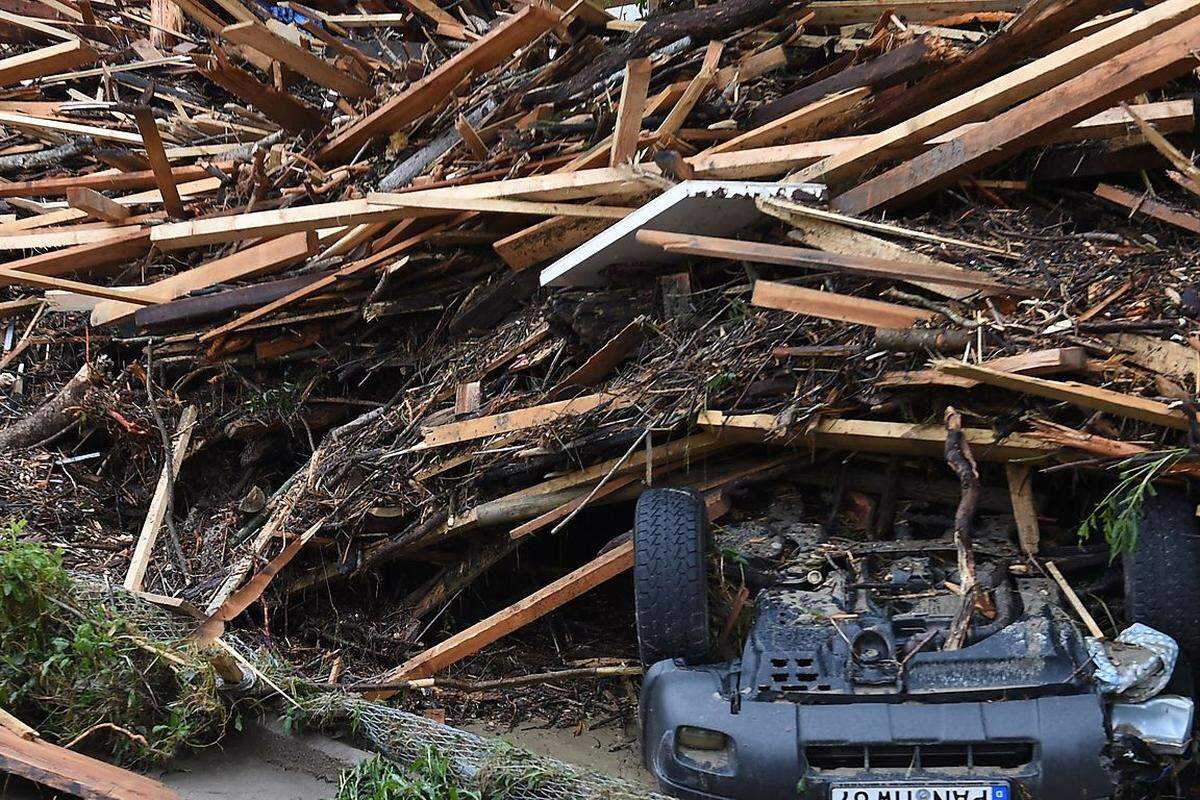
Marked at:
<point>1117,515</point>
<point>70,666</point>
<point>429,778</point>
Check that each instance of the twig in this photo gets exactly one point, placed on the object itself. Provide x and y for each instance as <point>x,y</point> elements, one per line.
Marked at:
<point>502,683</point>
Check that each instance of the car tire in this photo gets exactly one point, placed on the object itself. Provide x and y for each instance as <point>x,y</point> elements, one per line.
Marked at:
<point>1162,575</point>
<point>670,541</point>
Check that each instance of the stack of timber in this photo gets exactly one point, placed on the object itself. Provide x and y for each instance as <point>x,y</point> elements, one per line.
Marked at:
<point>365,326</point>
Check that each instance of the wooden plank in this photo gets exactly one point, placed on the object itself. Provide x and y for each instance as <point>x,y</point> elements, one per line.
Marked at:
<point>18,727</point>
<point>282,108</point>
<point>261,259</point>
<point>37,25</point>
<point>766,253</point>
<point>96,205</point>
<point>262,39</point>
<point>1020,490</point>
<point>851,12</point>
<point>47,764</point>
<point>19,278</point>
<point>45,61</point>
<point>422,96</point>
<point>1074,600</point>
<point>518,419</point>
<point>606,359</point>
<point>84,257</point>
<point>809,122</point>
<point>1079,394</point>
<point>1146,66</point>
<point>65,237</point>
<point>630,109</point>
<point>889,69</point>
<point>471,138</point>
<point>159,164</point>
<point>1157,355</point>
<point>839,307</point>
<point>516,616</point>
<point>907,138</point>
<point>873,436</point>
<point>1140,204</point>
<point>57,126</point>
<point>156,514</point>
<point>107,181</point>
<point>692,93</point>
<point>545,240</point>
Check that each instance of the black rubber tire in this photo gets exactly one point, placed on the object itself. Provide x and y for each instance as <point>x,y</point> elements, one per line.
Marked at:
<point>670,542</point>
<point>1162,576</point>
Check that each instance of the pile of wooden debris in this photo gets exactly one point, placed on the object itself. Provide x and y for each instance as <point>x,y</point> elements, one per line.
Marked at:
<point>325,312</point>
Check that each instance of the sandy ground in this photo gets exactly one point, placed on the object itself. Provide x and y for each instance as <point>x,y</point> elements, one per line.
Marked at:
<point>263,763</point>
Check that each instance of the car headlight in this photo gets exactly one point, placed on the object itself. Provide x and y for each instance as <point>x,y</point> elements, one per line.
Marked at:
<point>705,748</point>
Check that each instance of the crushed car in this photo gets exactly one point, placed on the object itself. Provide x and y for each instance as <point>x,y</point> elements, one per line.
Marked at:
<point>862,677</point>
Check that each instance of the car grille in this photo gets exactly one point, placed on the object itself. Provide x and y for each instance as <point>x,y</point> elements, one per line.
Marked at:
<point>997,755</point>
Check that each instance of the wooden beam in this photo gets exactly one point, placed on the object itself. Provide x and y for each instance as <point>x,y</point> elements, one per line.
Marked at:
<point>1020,489</point>
<point>156,514</point>
<point>908,138</point>
<point>517,419</point>
<point>96,205</point>
<point>839,307</point>
<point>867,266</point>
<point>19,278</point>
<point>1141,204</point>
<point>830,13</point>
<point>159,163</point>
<point>262,39</point>
<point>74,773</point>
<point>84,257</point>
<point>628,127</point>
<point>1079,394</point>
<point>809,122</point>
<point>423,96</point>
<point>516,616</point>
<point>1146,66</point>
<point>45,61</point>
<point>57,126</point>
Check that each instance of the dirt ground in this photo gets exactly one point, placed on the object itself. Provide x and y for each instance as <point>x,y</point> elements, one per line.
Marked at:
<point>264,763</point>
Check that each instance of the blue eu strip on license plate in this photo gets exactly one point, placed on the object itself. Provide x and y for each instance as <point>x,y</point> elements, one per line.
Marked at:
<point>917,791</point>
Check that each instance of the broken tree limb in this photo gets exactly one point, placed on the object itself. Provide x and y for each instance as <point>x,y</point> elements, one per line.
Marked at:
<point>54,416</point>
<point>960,459</point>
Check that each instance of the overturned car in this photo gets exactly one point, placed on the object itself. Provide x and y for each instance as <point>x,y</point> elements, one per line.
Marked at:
<point>865,676</point>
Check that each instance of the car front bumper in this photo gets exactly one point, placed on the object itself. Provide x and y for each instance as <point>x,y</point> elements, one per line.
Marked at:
<point>783,749</point>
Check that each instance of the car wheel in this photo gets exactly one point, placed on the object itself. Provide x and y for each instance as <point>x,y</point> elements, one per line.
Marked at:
<point>1162,576</point>
<point>670,540</point>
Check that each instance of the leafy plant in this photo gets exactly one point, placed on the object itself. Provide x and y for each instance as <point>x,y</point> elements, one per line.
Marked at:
<point>429,778</point>
<point>74,668</point>
<point>1118,514</point>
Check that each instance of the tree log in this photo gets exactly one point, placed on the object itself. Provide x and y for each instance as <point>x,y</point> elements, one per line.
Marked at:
<point>53,416</point>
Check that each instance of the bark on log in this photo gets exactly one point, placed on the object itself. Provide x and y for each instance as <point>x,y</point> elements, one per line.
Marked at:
<point>22,162</point>
<point>53,416</point>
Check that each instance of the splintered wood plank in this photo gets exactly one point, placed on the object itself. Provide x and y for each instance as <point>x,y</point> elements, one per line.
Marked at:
<point>839,307</point>
<point>1079,394</point>
<point>607,358</point>
<point>810,122</point>
<point>157,513</point>
<point>1158,60</point>
<point>1139,204</point>
<point>19,278</point>
<point>516,616</point>
<point>96,205</point>
<point>45,61</point>
<point>518,419</point>
<point>545,240</point>
<point>424,95</point>
<point>161,166</point>
<point>766,253</point>
<point>41,762</point>
<point>262,39</point>
<point>1020,489</point>
<point>907,138</point>
<point>261,259</point>
<point>632,104</point>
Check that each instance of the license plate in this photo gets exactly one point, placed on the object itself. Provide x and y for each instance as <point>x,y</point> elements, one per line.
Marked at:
<point>921,791</point>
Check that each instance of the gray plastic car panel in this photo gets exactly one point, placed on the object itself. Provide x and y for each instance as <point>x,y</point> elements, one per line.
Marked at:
<point>1041,747</point>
